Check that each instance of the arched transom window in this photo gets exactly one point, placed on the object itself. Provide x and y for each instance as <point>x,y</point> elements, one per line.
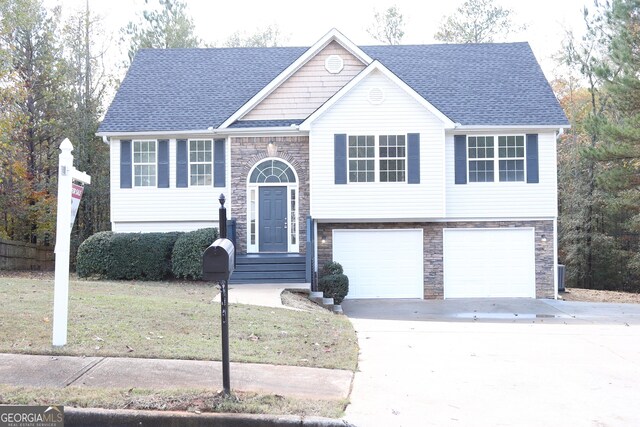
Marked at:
<point>272,171</point>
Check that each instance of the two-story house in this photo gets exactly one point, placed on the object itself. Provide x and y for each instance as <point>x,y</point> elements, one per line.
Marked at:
<point>427,171</point>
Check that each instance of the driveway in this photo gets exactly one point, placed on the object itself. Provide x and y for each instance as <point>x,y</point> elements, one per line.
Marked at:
<point>506,362</point>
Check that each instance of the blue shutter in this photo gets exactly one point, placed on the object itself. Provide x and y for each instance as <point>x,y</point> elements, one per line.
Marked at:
<point>340,158</point>
<point>163,163</point>
<point>460,158</point>
<point>219,162</point>
<point>413,158</point>
<point>182,164</point>
<point>125,163</point>
<point>532,159</point>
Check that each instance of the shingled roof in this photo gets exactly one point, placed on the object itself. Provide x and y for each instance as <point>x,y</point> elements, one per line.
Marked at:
<point>193,89</point>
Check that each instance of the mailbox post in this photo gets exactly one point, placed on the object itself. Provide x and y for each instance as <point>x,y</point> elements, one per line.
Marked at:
<point>218,263</point>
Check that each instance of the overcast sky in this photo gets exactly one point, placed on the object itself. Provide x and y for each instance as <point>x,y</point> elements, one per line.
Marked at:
<point>304,21</point>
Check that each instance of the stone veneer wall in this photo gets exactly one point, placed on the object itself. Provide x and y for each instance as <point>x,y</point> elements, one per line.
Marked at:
<point>245,153</point>
<point>433,262</point>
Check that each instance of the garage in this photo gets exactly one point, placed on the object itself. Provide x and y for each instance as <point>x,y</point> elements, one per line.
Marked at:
<point>381,263</point>
<point>488,263</point>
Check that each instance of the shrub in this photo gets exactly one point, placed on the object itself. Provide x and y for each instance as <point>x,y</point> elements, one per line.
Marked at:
<point>188,250</point>
<point>93,257</point>
<point>128,256</point>
<point>333,283</point>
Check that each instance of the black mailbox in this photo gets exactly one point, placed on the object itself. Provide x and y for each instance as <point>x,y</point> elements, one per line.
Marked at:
<point>218,260</point>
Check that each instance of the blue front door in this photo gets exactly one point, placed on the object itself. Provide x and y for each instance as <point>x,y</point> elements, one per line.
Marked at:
<point>273,219</point>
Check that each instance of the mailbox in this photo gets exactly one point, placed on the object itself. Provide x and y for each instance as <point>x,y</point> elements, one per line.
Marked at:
<point>218,260</point>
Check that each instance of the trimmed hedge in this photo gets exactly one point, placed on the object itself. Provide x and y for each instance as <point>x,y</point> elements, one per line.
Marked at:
<point>128,256</point>
<point>93,255</point>
<point>333,283</point>
<point>188,250</point>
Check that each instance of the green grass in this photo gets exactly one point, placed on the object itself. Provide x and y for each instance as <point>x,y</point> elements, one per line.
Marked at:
<point>168,320</point>
<point>171,400</point>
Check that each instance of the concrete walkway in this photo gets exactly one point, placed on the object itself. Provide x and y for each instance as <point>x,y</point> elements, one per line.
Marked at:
<point>112,372</point>
<point>266,295</point>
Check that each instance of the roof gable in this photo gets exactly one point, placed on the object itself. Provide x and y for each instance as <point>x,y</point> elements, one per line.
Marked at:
<point>309,87</point>
<point>332,36</point>
<point>376,65</point>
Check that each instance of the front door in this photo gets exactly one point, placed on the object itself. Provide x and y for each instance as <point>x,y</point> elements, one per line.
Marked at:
<point>273,219</point>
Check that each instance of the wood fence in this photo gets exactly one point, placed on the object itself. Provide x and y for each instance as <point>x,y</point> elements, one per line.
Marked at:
<point>25,256</point>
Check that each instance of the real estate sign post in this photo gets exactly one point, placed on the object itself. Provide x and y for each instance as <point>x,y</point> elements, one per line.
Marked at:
<point>68,197</point>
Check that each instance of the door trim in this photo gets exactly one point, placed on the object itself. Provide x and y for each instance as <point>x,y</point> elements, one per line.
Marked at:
<point>253,208</point>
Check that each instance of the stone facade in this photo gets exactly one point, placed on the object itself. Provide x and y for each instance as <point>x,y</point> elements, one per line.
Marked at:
<point>433,249</point>
<point>246,152</point>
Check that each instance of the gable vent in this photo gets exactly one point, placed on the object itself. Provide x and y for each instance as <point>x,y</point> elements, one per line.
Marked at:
<point>334,64</point>
<point>376,96</point>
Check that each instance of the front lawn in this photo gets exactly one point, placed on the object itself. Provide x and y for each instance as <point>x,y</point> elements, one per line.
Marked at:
<point>176,320</point>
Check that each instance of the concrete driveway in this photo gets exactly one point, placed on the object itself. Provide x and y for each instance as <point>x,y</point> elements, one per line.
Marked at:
<point>504,362</point>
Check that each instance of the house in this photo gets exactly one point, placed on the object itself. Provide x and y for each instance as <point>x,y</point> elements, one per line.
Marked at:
<point>427,171</point>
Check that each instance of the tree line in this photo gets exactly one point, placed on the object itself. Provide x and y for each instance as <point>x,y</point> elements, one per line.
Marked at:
<point>54,84</point>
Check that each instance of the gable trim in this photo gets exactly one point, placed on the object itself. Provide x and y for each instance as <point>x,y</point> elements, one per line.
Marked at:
<point>333,35</point>
<point>377,65</point>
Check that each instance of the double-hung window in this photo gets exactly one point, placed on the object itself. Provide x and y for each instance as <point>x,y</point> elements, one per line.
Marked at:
<point>380,158</point>
<point>393,154</point>
<point>508,158</point>
<point>144,163</point>
<point>511,157</point>
<point>200,162</point>
<point>362,158</point>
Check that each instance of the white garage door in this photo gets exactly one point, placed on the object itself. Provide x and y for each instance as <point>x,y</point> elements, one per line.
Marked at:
<point>489,263</point>
<point>381,263</point>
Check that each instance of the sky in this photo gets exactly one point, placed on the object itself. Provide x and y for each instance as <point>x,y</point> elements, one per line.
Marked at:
<point>303,22</point>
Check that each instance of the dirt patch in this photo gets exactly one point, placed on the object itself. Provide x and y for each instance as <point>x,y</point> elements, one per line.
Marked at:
<point>592,295</point>
<point>300,301</point>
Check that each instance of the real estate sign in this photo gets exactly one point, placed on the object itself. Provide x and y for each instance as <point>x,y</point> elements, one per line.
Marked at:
<point>76,195</point>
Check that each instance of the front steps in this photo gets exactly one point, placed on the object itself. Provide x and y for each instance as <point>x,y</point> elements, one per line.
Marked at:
<point>269,268</point>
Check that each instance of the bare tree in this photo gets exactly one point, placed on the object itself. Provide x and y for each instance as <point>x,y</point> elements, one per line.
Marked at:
<point>269,36</point>
<point>388,27</point>
<point>477,21</point>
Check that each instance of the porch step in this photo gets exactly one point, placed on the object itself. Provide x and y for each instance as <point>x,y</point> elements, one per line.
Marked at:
<point>269,268</point>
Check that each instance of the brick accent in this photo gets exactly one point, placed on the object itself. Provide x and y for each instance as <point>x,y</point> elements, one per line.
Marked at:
<point>433,249</point>
<point>245,154</point>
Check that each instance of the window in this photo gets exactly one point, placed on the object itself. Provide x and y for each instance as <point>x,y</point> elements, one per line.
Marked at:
<point>393,153</point>
<point>387,160</point>
<point>362,158</point>
<point>200,162</point>
<point>508,159</point>
<point>511,155</point>
<point>481,159</point>
<point>144,163</point>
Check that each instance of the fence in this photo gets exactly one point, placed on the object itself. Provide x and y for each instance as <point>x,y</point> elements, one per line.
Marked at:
<point>25,256</point>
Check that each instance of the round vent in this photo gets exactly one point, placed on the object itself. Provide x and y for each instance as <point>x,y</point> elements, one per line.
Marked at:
<point>333,64</point>
<point>376,96</point>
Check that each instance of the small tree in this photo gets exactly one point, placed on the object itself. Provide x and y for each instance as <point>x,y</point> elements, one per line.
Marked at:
<point>388,27</point>
<point>477,21</point>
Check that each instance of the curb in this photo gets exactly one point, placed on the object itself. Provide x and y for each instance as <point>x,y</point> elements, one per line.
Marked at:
<point>128,418</point>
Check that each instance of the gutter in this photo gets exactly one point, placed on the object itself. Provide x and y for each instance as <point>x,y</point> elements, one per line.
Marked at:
<point>508,127</point>
<point>228,131</point>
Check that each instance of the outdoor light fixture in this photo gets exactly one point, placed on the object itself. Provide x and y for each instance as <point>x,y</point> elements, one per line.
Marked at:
<point>543,238</point>
<point>323,239</point>
<point>272,149</point>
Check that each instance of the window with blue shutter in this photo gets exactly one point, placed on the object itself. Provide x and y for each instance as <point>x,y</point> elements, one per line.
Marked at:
<point>182,164</point>
<point>532,159</point>
<point>413,158</point>
<point>460,158</point>
<point>125,163</point>
<point>163,163</point>
<point>219,163</point>
<point>340,158</point>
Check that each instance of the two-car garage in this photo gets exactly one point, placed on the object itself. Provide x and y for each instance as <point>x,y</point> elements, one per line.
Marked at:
<point>476,262</point>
